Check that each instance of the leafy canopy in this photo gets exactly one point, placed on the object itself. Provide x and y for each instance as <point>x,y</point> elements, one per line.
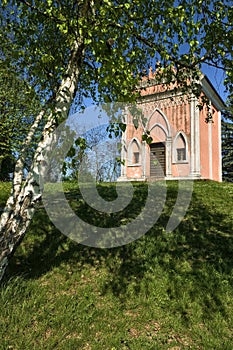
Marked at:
<point>120,40</point>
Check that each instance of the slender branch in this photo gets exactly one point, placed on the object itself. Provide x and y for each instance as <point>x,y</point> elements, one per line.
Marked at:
<point>215,65</point>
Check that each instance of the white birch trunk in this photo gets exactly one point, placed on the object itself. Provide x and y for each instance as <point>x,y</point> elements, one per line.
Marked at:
<point>21,205</point>
<point>18,172</point>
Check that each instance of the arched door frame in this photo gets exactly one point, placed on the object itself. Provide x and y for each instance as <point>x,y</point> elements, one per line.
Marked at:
<point>168,146</point>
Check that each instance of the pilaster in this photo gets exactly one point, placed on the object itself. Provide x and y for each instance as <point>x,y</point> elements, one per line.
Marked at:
<point>195,167</point>
<point>168,157</point>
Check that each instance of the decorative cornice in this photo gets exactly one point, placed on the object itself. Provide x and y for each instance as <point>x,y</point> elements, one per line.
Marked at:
<point>173,94</point>
<point>165,99</point>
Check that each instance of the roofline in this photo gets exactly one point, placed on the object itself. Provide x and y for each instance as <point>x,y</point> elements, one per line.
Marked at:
<point>210,91</point>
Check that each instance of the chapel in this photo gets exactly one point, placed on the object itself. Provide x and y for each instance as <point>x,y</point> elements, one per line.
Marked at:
<point>185,140</point>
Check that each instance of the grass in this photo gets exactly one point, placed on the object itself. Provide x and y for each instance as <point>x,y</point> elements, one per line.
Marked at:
<point>164,291</point>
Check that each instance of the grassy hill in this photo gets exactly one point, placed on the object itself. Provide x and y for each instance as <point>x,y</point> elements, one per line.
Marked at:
<point>164,291</point>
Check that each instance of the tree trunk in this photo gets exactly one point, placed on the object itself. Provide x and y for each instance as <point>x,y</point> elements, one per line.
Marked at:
<point>18,173</point>
<point>20,206</point>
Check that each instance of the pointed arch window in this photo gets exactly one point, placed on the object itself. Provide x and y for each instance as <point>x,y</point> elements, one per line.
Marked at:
<point>134,153</point>
<point>180,153</point>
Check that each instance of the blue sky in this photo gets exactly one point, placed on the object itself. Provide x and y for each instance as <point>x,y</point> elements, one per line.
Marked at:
<point>216,76</point>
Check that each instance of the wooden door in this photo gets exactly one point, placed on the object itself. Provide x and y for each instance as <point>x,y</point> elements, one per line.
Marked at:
<point>157,160</point>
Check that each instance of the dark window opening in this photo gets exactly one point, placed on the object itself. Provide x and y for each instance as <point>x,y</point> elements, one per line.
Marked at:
<point>181,154</point>
<point>136,157</point>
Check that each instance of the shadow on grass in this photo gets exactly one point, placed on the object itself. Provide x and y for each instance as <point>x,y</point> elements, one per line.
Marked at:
<point>198,252</point>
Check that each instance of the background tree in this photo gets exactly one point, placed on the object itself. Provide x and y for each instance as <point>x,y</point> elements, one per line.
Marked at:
<point>18,103</point>
<point>70,50</point>
<point>227,146</point>
<point>96,154</point>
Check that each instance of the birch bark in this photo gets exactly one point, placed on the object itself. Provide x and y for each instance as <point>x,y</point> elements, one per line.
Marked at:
<point>21,205</point>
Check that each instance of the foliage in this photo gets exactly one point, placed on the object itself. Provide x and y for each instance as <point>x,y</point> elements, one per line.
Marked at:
<point>4,193</point>
<point>121,40</point>
<point>227,146</point>
<point>18,105</point>
<point>163,291</point>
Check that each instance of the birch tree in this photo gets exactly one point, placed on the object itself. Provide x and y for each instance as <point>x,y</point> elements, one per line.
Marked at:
<point>73,49</point>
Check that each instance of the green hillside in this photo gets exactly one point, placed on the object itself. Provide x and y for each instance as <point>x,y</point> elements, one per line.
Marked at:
<point>164,291</point>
